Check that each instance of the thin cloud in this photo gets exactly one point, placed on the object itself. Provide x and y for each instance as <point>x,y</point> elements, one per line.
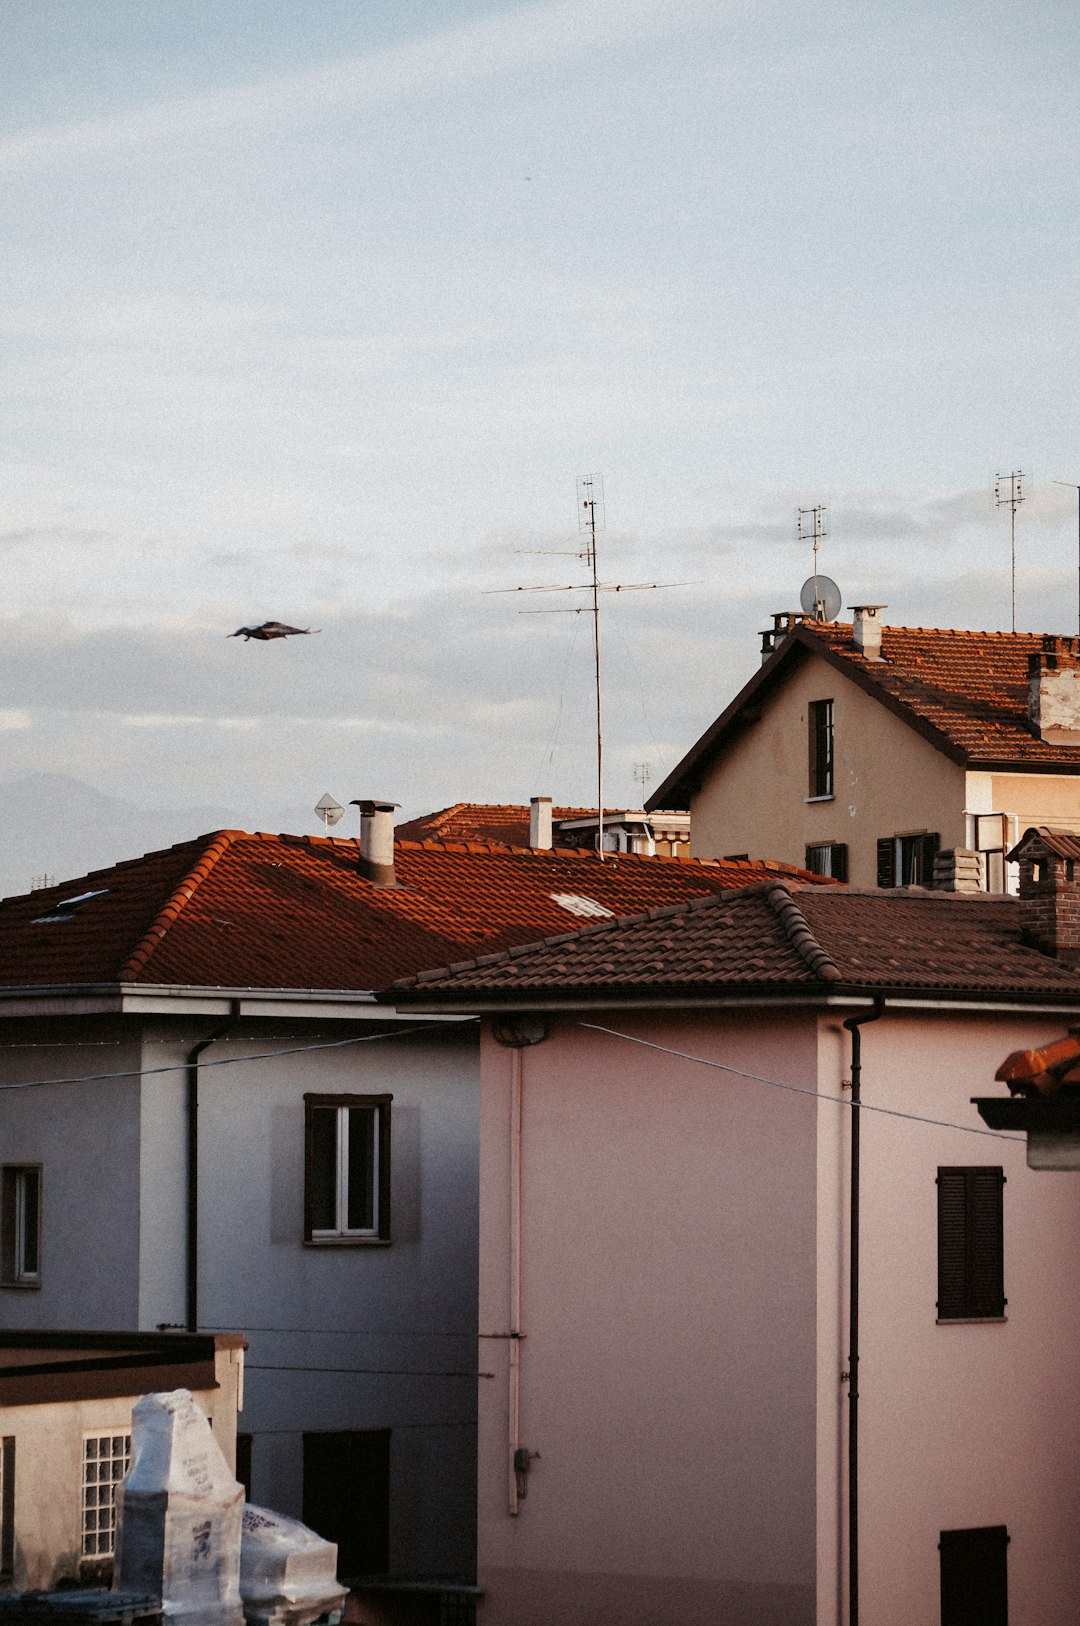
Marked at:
<point>516,39</point>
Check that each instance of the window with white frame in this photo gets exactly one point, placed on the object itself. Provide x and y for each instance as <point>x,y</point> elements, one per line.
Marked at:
<point>106,1459</point>
<point>347,1168</point>
<point>20,1225</point>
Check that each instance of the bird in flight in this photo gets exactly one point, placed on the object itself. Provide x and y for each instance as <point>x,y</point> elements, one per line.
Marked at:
<point>271,629</point>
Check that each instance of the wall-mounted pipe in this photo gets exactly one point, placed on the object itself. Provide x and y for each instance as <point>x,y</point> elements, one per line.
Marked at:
<point>853,1025</point>
<point>191,1315</point>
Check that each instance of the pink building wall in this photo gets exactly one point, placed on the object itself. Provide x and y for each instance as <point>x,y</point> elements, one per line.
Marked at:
<point>683,1279</point>
<point>668,1306</point>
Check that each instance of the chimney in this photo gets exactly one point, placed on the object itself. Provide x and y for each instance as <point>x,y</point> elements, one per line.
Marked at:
<point>1049,863</point>
<point>1054,691</point>
<point>782,623</point>
<point>377,842</point>
<point>958,869</point>
<point>866,630</point>
<point>540,822</point>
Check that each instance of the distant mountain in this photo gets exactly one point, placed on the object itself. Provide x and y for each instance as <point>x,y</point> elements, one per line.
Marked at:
<point>57,826</point>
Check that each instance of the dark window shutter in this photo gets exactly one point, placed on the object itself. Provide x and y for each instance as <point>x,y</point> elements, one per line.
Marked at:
<point>886,861</point>
<point>971,1271</point>
<point>924,862</point>
<point>974,1579</point>
<point>839,861</point>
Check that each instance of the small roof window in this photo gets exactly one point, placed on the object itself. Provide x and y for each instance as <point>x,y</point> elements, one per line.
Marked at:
<point>67,908</point>
<point>576,905</point>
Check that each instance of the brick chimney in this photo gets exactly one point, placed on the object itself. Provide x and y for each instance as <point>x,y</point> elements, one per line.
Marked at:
<point>1049,863</point>
<point>1054,691</point>
<point>377,841</point>
<point>866,630</point>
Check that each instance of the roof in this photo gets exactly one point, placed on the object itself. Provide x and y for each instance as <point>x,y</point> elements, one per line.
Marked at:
<point>40,1367</point>
<point>778,938</point>
<point>1063,843</point>
<point>964,692</point>
<point>232,910</point>
<point>481,821</point>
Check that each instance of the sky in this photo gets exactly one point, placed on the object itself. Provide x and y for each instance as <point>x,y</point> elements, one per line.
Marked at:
<point>318,313</point>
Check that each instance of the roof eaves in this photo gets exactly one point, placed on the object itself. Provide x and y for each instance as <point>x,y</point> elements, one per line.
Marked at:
<point>215,849</point>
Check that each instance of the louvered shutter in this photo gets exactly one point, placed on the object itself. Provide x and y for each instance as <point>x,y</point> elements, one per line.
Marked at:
<point>839,861</point>
<point>927,852</point>
<point>971,1272</point>
<point>886,861</point>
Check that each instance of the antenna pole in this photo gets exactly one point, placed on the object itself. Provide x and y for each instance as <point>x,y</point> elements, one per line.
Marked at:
<point>810,526</point>
<point>589,503</point>
<point>1009,493</point>
<point>1074,487</point>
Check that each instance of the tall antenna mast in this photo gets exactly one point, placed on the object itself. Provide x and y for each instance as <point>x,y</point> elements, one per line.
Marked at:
<point>1009,493</point>
<point>810,525</point>
<point>590,491</point>
<point>590,505</point>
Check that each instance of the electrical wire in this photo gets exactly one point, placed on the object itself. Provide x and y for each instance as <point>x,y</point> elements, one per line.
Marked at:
<point>800,1089</point>
<point>223,1061</point>
<point>550,752</point>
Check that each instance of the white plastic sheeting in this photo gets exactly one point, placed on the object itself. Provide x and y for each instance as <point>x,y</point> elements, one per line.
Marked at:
<point>288,1574</point>
<point>179,1515</point>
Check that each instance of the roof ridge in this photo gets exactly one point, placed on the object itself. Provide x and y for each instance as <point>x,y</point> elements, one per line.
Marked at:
<point>218,844</point>
<point>797,930</point>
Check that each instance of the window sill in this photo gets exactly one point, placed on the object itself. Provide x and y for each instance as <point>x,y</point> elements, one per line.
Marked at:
<point>22,1287</point>
<point>347,1241</point>
<point>972,1321</point>
<point>831,797</point>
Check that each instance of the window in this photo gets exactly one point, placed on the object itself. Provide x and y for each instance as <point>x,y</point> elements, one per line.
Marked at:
<point>347,1497</point>
<point>907,860</point>
<point>106,1459</point>
<point>7,1507</point>
<point>821,748</point>
<point>243,1462</point>
<point>828,858</point>
<point>974,1583</point>
<point>20,1225</point>
<point>991,839</point>
<point>971,1271</point>
<point>347,1168</point>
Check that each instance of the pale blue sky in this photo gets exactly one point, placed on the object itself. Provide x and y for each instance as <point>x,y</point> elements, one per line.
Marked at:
<point>316,312</point>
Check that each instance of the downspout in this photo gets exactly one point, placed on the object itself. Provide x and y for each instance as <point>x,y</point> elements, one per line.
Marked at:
<point>514,1442</point>
<point>191,1317</point>
<point>853,1025</point>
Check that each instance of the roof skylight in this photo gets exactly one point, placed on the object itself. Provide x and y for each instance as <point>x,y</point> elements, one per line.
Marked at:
<point>67,908</point>
<point>576,905</point>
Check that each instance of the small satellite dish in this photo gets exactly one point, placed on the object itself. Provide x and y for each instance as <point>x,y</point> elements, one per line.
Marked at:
<point>821,598</point>
<point>328,810</point>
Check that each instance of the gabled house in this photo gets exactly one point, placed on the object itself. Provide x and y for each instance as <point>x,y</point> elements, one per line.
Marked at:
<point>863,751</point>
<point>207,1121</point>
<point>721,1322</point>
<point>666,834</point>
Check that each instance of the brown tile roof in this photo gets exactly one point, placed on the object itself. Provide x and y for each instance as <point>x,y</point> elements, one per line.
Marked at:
<point>965,692</point>
<point>262,911</point>
<point>783,938</point>
<point>481,821</point>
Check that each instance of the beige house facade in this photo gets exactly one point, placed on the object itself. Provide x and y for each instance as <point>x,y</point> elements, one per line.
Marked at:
<point>865,766</point>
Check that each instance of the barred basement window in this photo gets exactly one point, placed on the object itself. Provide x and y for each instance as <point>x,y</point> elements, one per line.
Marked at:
<point>106,1459</point>
<point>971,1268</point>
<point>347,1168</point>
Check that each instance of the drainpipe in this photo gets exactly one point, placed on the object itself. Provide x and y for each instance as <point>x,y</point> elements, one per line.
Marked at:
<point>191,1319</point>
<point>853,1024</point>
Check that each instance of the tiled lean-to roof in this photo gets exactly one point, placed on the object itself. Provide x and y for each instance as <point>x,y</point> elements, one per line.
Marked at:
<point>964,692</point>
<point>780,938</point>
<point>279,911</point>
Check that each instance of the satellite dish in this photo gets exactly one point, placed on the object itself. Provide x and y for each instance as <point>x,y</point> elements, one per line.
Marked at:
<point>329,810</point>
<point>821,598</point>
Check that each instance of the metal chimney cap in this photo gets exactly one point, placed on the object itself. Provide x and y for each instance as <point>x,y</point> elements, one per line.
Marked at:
<point>370,806</point>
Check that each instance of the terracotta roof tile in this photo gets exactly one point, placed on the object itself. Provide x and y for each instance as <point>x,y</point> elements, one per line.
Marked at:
<point>780,938</point>
<point>262,911</point>
<point>495,821</point>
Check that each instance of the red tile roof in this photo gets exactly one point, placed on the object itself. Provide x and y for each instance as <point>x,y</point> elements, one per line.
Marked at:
<point>965,692</point>
<point>262,911</point>
<point>481,821</point>
<point>775,937</point>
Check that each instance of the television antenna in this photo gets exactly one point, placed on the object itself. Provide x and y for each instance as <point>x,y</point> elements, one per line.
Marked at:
<point>590,512</point>
<point>1009,493</point>
<point>329,811</point>
<point>642,775</point>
